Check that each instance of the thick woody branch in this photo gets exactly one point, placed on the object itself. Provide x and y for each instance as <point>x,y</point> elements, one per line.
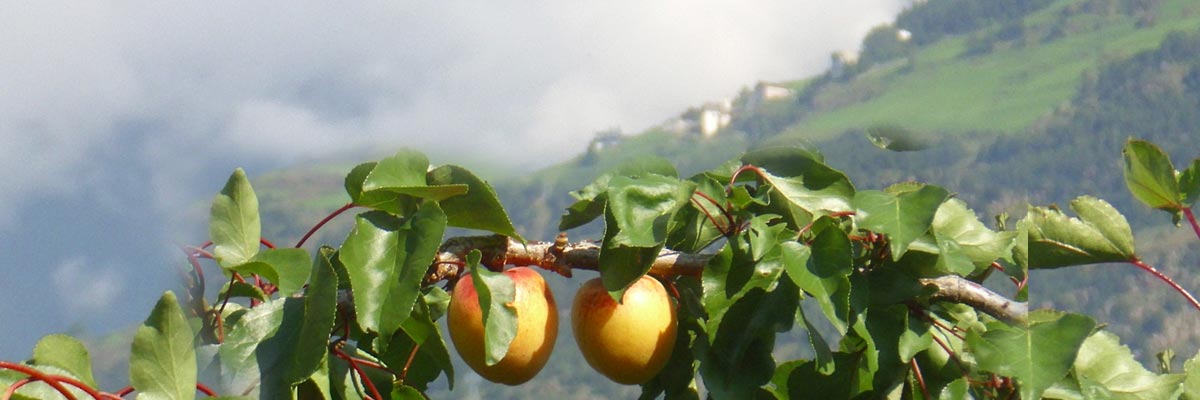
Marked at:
<point>956,289</point>
<point>562,257</point>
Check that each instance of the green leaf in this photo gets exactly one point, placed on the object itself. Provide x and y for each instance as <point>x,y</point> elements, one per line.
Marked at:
<point>396,184</point>
<point>622,264</point>
<point>733,273</point>
<point>345,384</point>
<point>739,359</point>
<point>1150,175</point>
<point>691,230</point>
<point>958,389</point>
<point>959,224</point>
<point>65,352</point>
<point>643,206</point>
<point>163,362</point>
<point>386,258</point>
<point>916,337</point>
<point>292,351</point>
<point>802,380</point>
<point>890,338</point>
<point>377,200</point>
<point>497,294</point>
<point>1037,355</point>
<point>1100,234</point>
<point>823,271</point>
<point>803,180</point>
<point>234,225</point>
<point>904,217</point>
<point>405,392</point>
<point>437,300</point>
<point>432,357</point>
<point>242,289</point>
<point>824,356</point>
<point>245,331</point>
<point>286,268</point>
<point>479,208</point>
<point>591,200</point>
<point>1104,361</point>
<point>952,259</point>
<point>1189,184</point>
<point>1191,382</point>
<point>404,173</point>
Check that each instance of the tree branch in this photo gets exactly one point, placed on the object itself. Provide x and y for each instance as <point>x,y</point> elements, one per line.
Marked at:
<point>562,257</point>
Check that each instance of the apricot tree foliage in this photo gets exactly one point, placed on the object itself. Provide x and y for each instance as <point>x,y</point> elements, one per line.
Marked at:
<point>895,272</point>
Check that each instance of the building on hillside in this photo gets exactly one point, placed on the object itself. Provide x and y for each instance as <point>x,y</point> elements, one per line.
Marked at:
<point>903,35</point>
<point>842,62</point>
<point>605,139</point>
<point>714,116</point>
<point>766,92</point>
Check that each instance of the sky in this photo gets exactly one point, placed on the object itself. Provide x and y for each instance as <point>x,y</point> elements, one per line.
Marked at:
<point>118,119</point>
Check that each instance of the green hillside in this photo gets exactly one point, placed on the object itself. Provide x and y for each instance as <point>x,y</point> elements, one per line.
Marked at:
<point>1019,78</point>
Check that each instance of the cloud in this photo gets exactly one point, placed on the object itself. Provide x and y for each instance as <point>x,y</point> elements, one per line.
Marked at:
<point>274,82</point>
<point>86,288</point>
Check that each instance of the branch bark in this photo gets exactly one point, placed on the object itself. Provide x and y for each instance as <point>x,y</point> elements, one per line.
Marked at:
<point>562,256</point>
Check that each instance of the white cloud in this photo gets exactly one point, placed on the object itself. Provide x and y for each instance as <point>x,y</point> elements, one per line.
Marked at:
<point>272,81</point>
<point>85,287</point>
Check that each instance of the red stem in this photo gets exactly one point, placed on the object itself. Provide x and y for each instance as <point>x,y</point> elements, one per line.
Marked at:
<point>205,390</point>
<point>953,356</point>
<point>920,379</point>
<point>12,389</point>
<point>411,356</point>
<point>266,242</point>
<point>758,171</point>
<point>1146,267</point>
<point>124,391</point>
<point>362,376</point>
<point>323,222</point>
<point>724,211</point>
<point>200,252</point>
<point>55,381</point>
<point>710,217</point>
<point>1187,212</point>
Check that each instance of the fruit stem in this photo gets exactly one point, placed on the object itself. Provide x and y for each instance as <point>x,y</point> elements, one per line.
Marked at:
<point>1146,267</point>
<point>323,221</point>
<point>1187,212</point>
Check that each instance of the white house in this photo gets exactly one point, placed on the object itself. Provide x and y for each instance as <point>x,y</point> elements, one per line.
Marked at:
<point>714,116</point>
<point>842,61</point>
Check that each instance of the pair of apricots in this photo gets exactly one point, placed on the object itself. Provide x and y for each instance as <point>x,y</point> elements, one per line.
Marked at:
<point>629,342</point>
